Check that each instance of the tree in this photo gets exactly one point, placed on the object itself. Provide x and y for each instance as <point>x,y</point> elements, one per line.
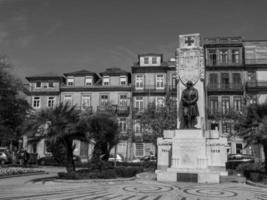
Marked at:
<point>13,108</point>
<point>156,119</point>
<point>252,127</point>
<point>103,129</point>
<point>60,126</point>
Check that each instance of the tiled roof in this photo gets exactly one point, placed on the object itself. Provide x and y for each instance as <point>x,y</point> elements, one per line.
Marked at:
<point>114,72</point>
<point>46,76</point>
<point>150,54</point>
<point>80,73</point>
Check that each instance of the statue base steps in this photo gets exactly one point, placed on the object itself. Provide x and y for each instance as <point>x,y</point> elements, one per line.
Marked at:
<point>186,155</point>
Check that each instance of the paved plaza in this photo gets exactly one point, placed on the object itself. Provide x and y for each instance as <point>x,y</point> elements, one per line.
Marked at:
<point>138,189</point>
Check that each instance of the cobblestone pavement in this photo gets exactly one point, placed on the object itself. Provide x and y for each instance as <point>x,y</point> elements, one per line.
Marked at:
<point>23,188</point>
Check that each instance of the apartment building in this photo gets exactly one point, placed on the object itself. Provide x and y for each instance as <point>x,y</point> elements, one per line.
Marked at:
<point>152,80</point>
<point>110,91</point>
<point>255,53</point>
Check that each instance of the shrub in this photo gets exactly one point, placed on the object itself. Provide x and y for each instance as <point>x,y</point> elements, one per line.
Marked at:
<point>104,174</point>
<point>128,171</point>
<point>250,167</point>
<point>252,171</point>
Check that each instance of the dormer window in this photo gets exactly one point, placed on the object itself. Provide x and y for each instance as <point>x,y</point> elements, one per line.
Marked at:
<point>38,84</point>
<point>154,60</point>
<point>88,81</point>
<point>51,84</point>
<point>123,80</point>
<point>106,80</point>
<point>45,85</point>
<point>146,60</point>
<point>70,82</point>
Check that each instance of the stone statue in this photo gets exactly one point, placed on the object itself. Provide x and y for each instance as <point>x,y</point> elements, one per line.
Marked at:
<point>189,107</point>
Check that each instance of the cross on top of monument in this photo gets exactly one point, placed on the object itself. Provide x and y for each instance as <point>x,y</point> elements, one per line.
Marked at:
<point>189,41</point>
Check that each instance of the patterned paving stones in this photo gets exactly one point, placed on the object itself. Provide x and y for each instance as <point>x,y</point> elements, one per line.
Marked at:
<point>126,190</point>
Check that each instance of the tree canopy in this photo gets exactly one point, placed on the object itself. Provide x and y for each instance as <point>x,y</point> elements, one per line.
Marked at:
<point>13,107</point>
<point>155,119</point>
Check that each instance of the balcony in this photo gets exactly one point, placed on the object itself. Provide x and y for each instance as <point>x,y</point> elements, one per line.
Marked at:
<point>218,114</point>
<point>217,63</point>
<point>256,85</point>
<point>149,89</point>
<point>256,61</point>
<point>114,109</point>
<point>96,87</point>
<point>107,109</point>
<point>137,112</point>
<point>123,110</point>
<point>225,87</point>
<point>87,109</point>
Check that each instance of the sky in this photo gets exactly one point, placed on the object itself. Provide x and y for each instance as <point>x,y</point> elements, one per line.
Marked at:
<point>59,36</point>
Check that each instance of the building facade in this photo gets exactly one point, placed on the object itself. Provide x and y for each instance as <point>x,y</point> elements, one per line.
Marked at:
<point>152,80</point>
<point>236,76</point>
<point>110,91</point>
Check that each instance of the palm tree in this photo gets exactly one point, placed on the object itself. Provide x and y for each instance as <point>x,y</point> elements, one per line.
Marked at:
<point>59,126</point>
<point>252,127</point>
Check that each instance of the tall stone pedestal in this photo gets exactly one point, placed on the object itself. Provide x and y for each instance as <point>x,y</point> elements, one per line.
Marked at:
<point>186,155</point>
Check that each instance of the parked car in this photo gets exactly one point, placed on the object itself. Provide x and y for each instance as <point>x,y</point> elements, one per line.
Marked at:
<point>5,156</point>
<point>119,158</point>
<point>51,160</point>
<point>233,160</point>
<point>151,158</point>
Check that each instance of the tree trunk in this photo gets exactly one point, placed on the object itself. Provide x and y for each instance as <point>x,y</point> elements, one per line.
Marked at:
<point>70,165</point>
<point>264,144</point>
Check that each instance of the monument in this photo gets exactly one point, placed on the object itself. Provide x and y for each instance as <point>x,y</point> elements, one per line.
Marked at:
<point>191,153</point>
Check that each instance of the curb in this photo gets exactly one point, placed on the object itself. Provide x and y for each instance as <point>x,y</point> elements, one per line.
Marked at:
<point>93,180</point>
<point>26,174</point>
<point>256,184</point>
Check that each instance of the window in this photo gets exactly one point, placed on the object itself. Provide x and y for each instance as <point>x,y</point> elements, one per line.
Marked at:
<point>103,99</point>
<point>139,103</point>
<point>70,82</point>
<point>252,81</point>
<point>174,82</point>
<point>213,81</point>
<point>51,84</point>
<point>237,104</point>
<point>235,56</point>
<point>47,147</point>
<point>38,84</point>
<point>122,125</point>
<point>226,127</point>
<point>146,60</point>
<point>123,100</point>
<point>45,85</point>
<point>139,149</point>
<point>86,102</point>
<point>225,105</point>
<point>36,102</point>
<point>214,126</point>
<point>159,81</point>
<point>239,148</point>
<point>88,81</point>
<point>123,80</point>
<point>139,81</point>
<point>67,99</point>
<point>225,80</point>
<point>213,105</point>
<point>154,60</point>
<point>237,80</point>
<point>212,57</point>
<point>106,80</point>
<point>51,102</point>
<point>160,102</point>
<point>137,128</point>
<point>223,56</point>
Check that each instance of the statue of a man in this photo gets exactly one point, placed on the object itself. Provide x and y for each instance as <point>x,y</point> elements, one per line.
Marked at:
<point>189,106</point>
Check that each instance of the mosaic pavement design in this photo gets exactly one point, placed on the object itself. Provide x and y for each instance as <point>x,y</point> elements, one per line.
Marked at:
<point>131,190</point>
